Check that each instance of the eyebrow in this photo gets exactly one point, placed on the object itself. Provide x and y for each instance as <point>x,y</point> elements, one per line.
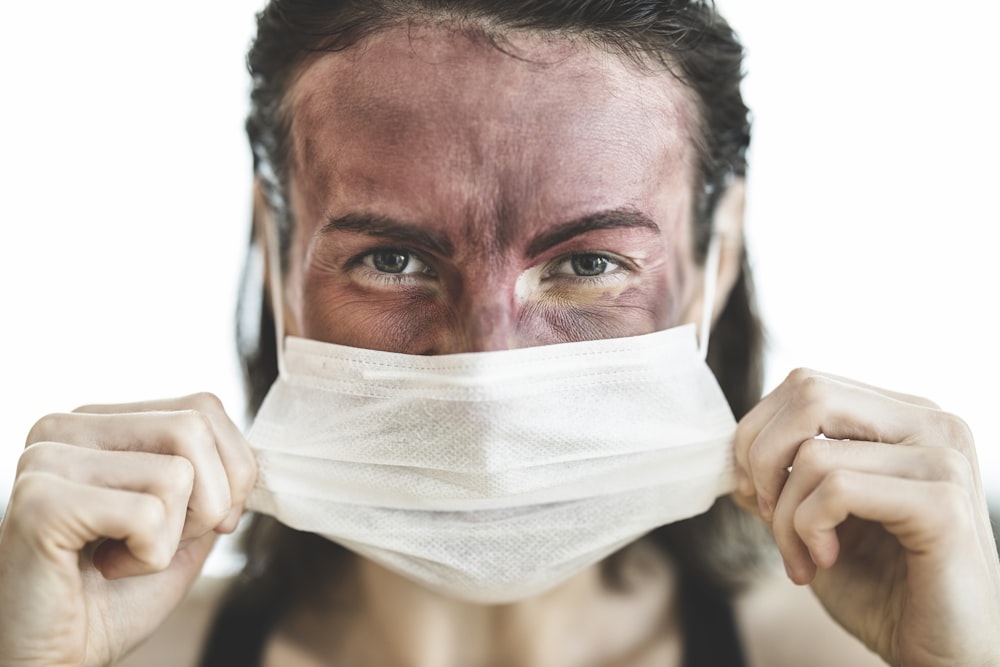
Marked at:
<point>617,218</point>
<point>410,234</point>
<point>388,228</point>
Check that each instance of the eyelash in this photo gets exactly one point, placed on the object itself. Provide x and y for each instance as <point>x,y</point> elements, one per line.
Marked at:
<point>359,262</point>
<point>621,267</point>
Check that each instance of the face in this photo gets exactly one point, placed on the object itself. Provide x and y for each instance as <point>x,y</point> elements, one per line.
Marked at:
<point>449,197</point>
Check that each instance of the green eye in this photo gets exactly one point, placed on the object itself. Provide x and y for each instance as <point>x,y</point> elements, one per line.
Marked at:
<point>588,265</point>
<point>585,265</point>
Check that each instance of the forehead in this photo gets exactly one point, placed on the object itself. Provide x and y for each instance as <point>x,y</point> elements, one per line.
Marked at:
<point>422,114</point>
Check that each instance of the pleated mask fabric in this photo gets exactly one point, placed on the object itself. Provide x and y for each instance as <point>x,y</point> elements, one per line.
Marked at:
<point>493,476</point>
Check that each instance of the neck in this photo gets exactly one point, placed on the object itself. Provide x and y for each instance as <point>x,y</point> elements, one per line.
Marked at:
<point>583,622</point>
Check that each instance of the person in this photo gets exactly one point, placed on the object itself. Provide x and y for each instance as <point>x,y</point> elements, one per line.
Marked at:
<point>441,177</point>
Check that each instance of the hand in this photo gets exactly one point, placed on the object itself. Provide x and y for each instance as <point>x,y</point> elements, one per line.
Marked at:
<point>113,513</point>
<point>875,499</point>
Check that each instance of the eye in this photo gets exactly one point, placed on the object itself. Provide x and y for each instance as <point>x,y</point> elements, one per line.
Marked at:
<point>589,265</point>
<point>395,260</point>
<point>585,265</point>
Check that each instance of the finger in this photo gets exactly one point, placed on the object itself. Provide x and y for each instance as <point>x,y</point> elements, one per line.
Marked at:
<point>821,406</point>
<point>818,458</point>
<point>911,399</point>
<point>234,450</point>
<point>795,383</point>
<point>115,563</point>
<point>184,433</point>
<point>802,376</point>
<point>58,517</point>
<point>169,478</point>
<point>931,520</point>
<point>114,560</point>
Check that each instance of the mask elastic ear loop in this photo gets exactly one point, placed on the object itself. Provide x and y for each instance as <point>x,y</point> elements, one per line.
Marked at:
<point>708,298</point>
<point>274,281</point>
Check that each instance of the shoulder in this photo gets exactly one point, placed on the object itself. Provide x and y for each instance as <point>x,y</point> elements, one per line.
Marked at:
<point>780,623</point>
<point>178,642</point>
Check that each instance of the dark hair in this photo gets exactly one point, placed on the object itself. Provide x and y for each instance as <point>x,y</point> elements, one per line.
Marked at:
<point>686,38</point>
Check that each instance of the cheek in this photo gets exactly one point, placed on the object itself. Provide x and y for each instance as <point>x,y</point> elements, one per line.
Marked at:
<point>617,313</point>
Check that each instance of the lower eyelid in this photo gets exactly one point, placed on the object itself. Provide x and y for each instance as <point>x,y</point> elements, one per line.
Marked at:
<point>367,277</point>
<point>373,275</point>
<point>562,281</point>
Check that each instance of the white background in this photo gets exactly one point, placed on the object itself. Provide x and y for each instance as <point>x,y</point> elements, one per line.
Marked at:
<point>124,179</point>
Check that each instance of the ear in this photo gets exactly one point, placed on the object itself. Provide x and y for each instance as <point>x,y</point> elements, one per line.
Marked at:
<point>728,225</point>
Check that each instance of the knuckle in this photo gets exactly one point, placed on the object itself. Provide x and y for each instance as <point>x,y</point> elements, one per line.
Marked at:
<point>243,478</point>
<point>33,500</point>
<point>179,473</point>
<point>210,506</point>
<point>150,512</point>
<point>811,456</point>
<point>153,550</point>
<point>159,556</point>
<point>956,433</point>
<point>219,510</point>
<point>811,391</point>
<point>206,402</point>
<point>44,428</point>
<point>152,561</point>
<point>797,376</point>
<point>193,429</point>
<point>837,486</point>
<point>952,466</point>
<point>201,522</point>
<point>35,458</point>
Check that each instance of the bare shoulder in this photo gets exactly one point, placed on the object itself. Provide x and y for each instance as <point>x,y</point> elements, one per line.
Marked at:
<point>179,640</point>
<point>781,623</point>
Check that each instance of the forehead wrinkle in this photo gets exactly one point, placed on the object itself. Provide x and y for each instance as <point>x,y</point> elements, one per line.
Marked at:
<point>499,185</point>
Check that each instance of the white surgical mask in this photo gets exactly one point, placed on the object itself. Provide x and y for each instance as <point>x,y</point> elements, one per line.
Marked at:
<point>493,476</point>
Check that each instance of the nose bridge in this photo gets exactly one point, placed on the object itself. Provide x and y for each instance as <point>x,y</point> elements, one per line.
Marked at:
<point>487,317</point>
